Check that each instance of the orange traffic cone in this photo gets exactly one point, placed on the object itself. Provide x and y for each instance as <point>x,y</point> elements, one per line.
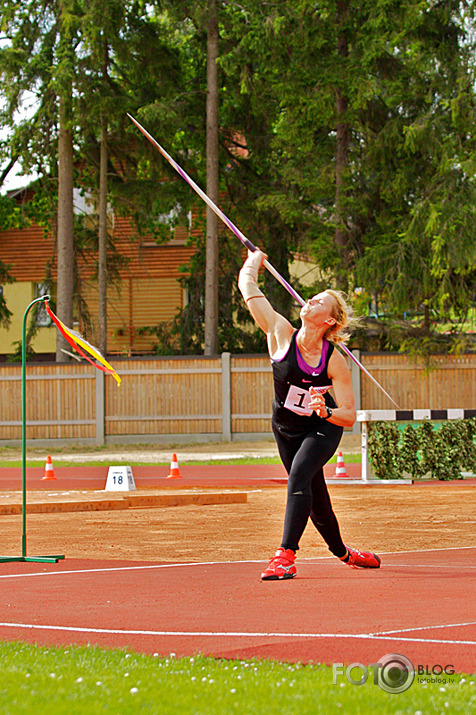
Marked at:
<point>49,471</point>
<point>340,468</point>
<point>174,468</point>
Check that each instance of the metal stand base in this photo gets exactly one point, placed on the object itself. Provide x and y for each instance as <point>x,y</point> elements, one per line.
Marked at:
<point>38,559</point>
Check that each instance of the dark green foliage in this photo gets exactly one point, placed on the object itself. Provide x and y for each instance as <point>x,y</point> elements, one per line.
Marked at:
<point>410,460</point>
<point>440,453</point>
<point>468,445</point>
<point>431,453</point>
<point>403,229</point>
<point>448,441</point>
<point>384,451</point>
<point>378,188</point>
<point>444,450</point>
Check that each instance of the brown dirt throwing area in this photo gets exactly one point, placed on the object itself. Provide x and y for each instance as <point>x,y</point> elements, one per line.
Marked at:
<point>381,518</point>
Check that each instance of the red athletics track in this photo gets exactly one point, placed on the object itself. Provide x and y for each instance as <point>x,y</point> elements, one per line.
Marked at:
<point>192,475</point>
<point>419,604</point>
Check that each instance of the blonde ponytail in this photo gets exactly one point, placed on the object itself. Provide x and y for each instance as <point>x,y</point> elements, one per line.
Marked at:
<point>343,314</point>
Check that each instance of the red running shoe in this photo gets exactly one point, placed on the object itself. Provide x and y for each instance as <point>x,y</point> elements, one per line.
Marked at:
<point>281,566</point>
<point>362,559</point>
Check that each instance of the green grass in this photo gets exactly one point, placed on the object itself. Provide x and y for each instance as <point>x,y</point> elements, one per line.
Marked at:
<point>91,680</point>
<point>348,459</point>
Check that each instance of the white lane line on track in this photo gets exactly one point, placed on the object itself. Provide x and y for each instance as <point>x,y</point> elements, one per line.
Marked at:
<point>427,551</point>
<point>424,628</point>
<point>128,568</point>
<point>229,634</point>
<point>457,567</point>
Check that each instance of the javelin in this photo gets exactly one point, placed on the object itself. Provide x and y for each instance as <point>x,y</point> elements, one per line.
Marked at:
<point>245,241</point>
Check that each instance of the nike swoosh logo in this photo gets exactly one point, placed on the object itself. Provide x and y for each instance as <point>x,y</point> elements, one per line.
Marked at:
<point>307,380</point>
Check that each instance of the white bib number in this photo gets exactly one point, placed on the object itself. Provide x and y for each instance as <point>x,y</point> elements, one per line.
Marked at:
<point>297,400</point>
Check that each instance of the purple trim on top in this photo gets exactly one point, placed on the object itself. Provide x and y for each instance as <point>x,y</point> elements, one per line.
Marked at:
<point>322,362</point>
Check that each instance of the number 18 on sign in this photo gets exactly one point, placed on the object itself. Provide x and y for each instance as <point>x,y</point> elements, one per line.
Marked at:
<point>119,479</point>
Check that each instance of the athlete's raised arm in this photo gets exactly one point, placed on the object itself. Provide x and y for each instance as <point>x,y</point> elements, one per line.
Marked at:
<point>277,328</point>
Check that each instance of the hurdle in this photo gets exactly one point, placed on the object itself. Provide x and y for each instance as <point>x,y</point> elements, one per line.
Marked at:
<point>366,416</point>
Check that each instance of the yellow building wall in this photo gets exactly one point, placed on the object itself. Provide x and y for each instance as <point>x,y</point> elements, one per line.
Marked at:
<point>45,340</point>
<point>17,297</point>
<point>137,303</point>
<point>143,302</point>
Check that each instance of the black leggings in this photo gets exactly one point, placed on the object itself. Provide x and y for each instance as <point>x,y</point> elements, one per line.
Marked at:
<point>304,459</point>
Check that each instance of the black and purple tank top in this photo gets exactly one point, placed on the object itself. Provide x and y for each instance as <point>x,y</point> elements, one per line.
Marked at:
<point>292,379</point>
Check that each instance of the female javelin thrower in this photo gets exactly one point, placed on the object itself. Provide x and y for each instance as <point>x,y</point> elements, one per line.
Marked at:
<point>307,423</point>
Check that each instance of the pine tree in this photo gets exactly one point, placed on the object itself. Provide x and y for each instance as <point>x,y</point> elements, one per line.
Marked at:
<point>38,59</point>
<point>370,130</point>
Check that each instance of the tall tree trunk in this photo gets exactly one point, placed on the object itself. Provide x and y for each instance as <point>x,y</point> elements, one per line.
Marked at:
<point>342,156</point>
<point>102,239</point>
<point>211,270</point>
<point>65,285</point>
<point>427,318</point>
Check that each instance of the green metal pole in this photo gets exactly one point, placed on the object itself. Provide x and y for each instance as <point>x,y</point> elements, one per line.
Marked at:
<point>23,418</point>
<point>53,558</point>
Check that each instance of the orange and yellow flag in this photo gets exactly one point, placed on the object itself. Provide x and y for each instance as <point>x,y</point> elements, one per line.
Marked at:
<point>77,342</point>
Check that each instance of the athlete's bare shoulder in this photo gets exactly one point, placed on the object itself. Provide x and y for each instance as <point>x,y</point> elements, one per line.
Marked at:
<point>279,338</point>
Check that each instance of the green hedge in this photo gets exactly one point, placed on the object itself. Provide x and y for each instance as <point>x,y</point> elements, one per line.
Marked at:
<point>439,452</point>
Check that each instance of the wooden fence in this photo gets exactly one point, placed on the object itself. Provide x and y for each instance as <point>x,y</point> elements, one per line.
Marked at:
<point>446,382</point>
<point>185,399</point>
